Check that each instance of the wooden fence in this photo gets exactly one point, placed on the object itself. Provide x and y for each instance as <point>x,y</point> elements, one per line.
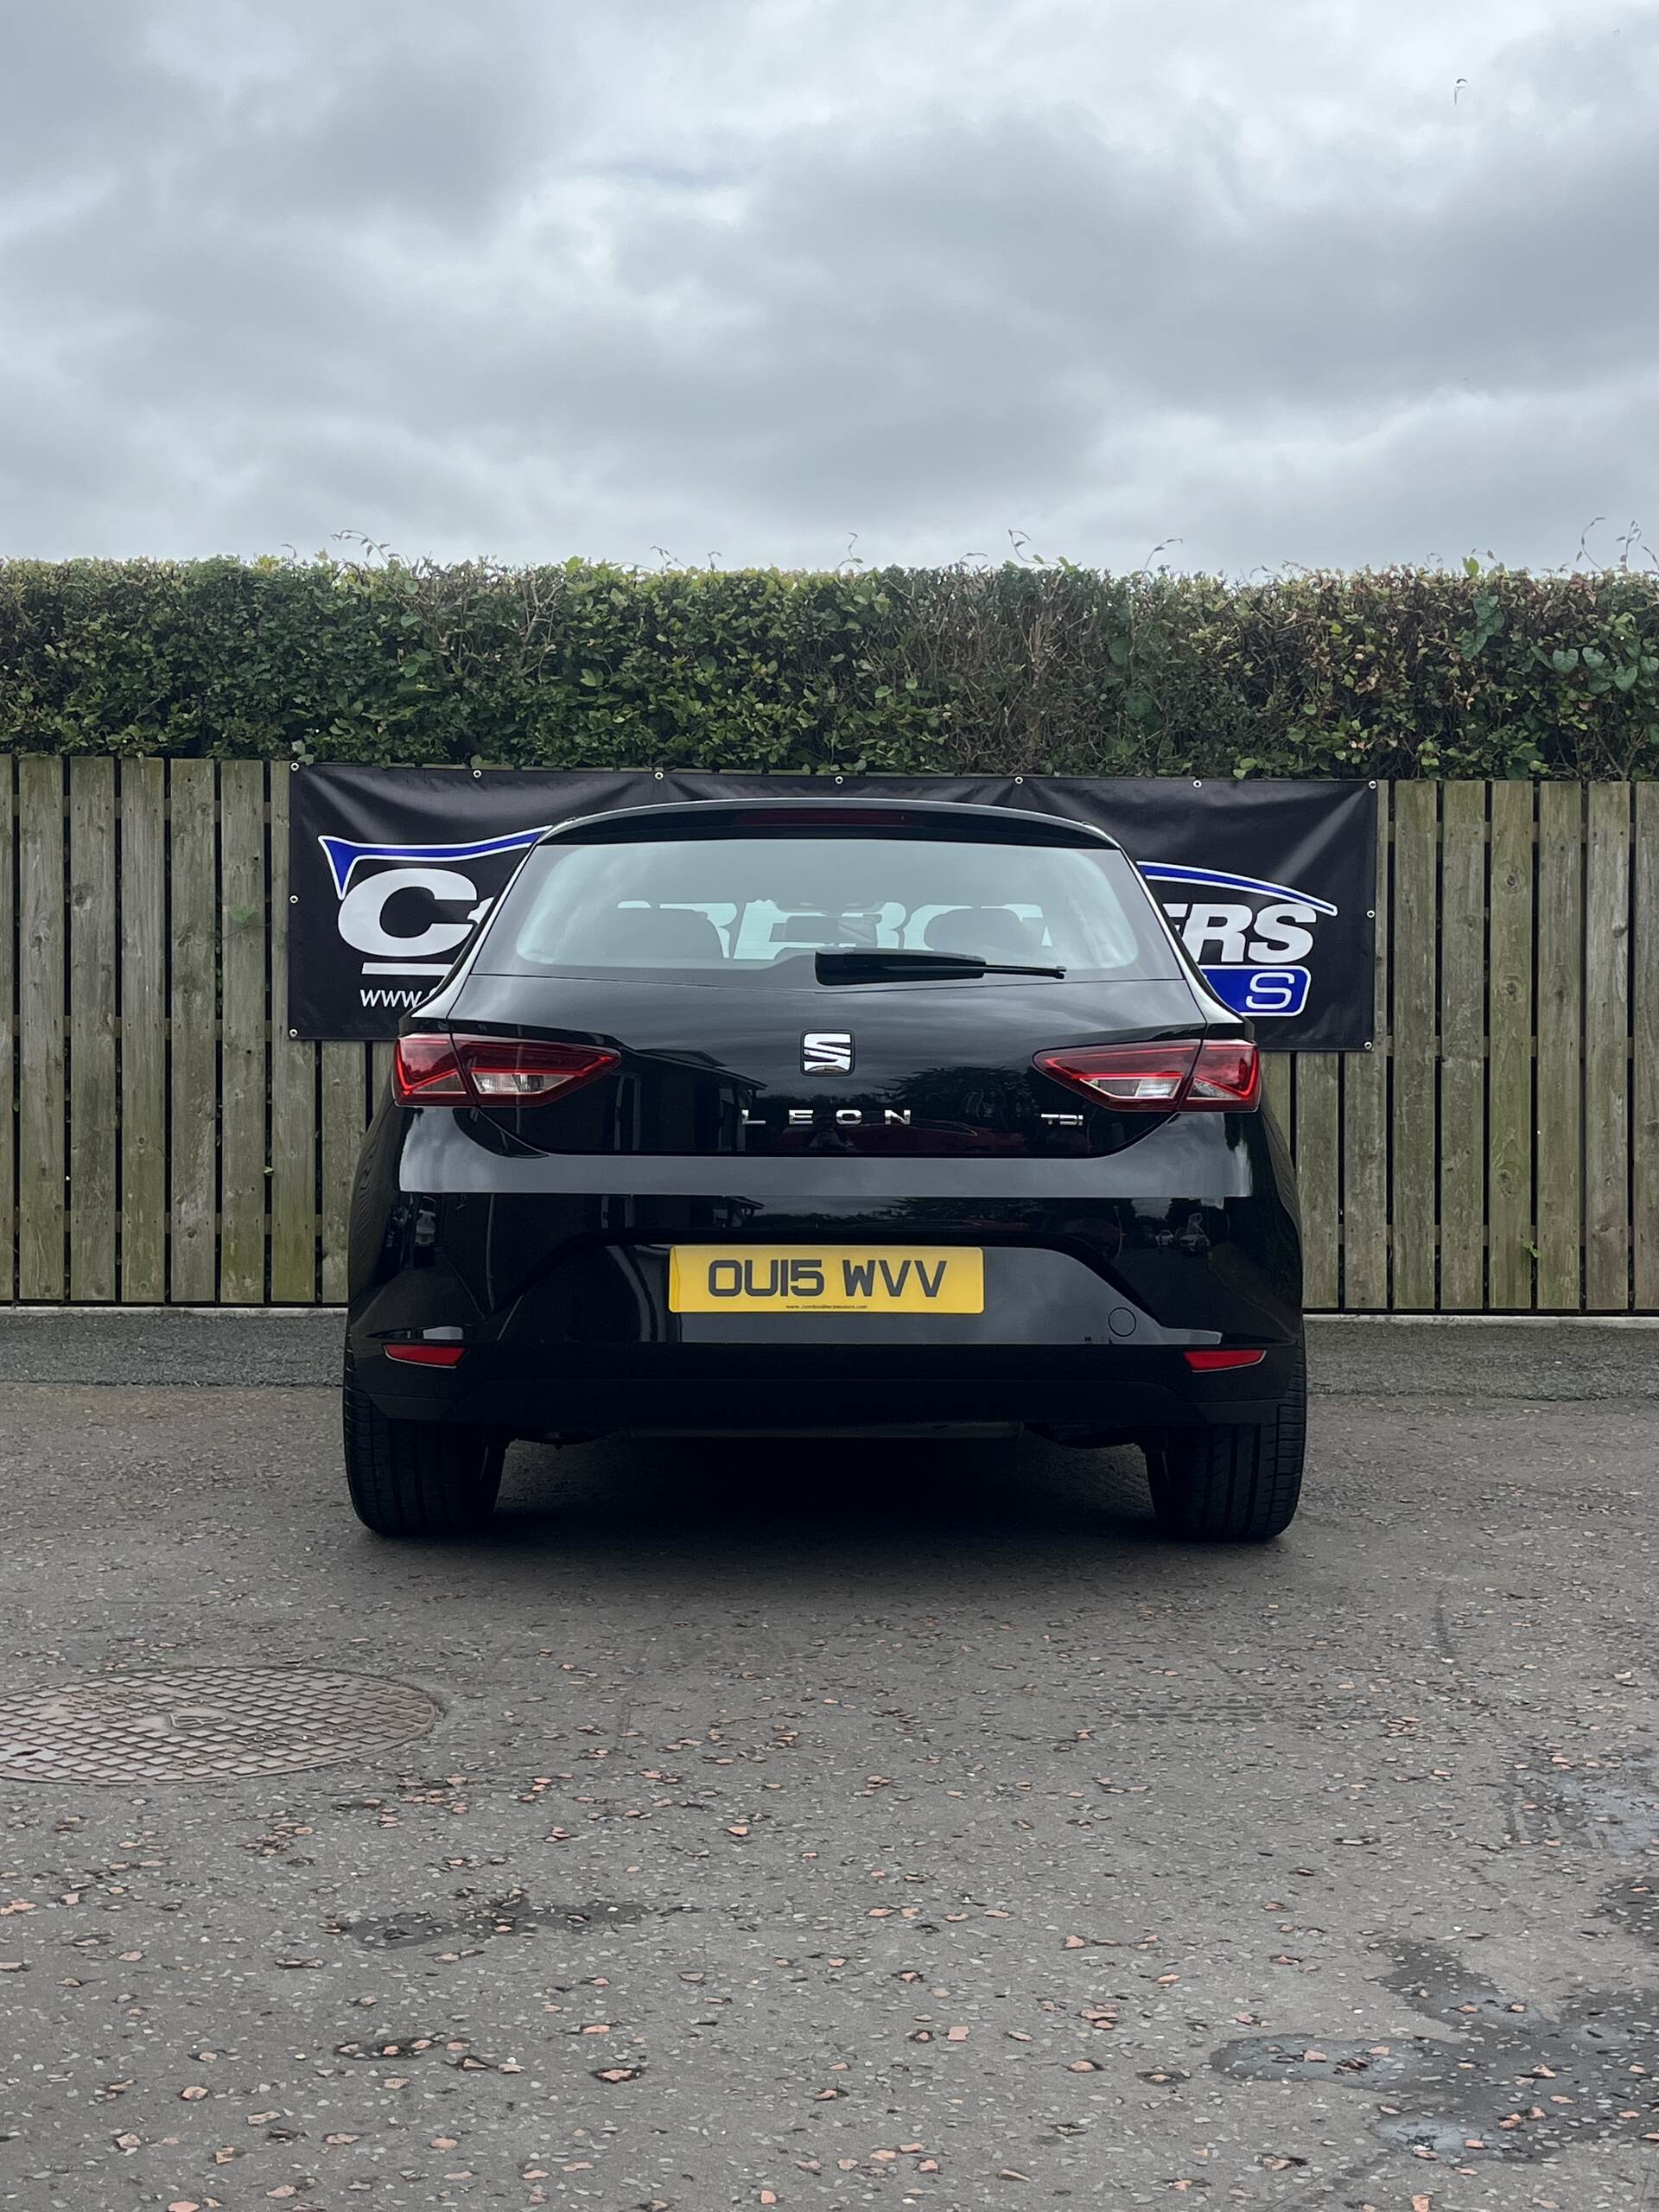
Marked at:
<point>163,1138</point>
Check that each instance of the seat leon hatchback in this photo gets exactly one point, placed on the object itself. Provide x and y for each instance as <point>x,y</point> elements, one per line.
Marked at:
<point>825,1116</point>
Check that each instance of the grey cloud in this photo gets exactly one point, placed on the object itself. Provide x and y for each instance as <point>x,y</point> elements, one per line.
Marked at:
<point>77,93</point>
<point>1040,237</point>
<point>1436,482</point>
<point>499,281</point>
<point>440,124</point>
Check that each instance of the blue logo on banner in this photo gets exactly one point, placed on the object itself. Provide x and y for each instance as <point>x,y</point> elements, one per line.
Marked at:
<point>1220,880</point>
<point>1259,990</point>
<point>343,854</point>
<point>1249,947</point>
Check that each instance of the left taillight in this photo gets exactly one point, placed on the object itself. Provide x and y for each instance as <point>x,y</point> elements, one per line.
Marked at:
<point>435,1069</point>
<point>1185,1076</point>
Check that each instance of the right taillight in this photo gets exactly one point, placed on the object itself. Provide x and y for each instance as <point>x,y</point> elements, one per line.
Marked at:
<point>1184,1077</point>
<point>435,1069</point>
<point>1227,1078</point>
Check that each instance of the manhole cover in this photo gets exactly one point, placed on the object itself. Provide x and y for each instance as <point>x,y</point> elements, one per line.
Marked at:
<point>206,1722</point>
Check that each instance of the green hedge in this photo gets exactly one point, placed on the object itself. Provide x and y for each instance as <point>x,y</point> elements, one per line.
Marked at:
<point>1403,672</point>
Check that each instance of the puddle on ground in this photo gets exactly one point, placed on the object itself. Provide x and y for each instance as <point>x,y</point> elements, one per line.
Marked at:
<point>1507,2080</point>
<point>1610,1802</point>
<point>513,1915</point>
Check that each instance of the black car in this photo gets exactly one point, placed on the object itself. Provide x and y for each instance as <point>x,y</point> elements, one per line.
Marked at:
<point>815,1116</point>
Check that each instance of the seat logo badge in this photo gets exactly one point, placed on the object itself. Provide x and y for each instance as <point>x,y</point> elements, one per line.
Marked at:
<point>827,1051</point>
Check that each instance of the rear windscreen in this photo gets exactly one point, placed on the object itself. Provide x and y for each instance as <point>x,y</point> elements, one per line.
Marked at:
<point>730,909</point>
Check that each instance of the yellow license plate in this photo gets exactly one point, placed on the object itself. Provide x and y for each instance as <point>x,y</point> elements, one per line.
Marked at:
<point>825,1279</point>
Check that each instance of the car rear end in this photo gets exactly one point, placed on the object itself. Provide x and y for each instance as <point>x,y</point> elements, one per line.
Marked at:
<point>823,1115</point>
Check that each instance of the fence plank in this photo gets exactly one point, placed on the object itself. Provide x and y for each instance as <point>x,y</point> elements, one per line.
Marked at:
<point>1276,1087</point>
<point>243,905</point>
<point>1560,1203</point>
<point>7,1023</point>
<point>93,1112</point>
<point>1644,1070</point>
<point>1365,1111</point>
<point>143,987</point>
<point>293,1095</point>
<point>1607,1050</point>
<point>1318,1177</point>
<point>193,1071</point>
<point>342,1134</point>
<point>1463,1046</point>
<point>1414,943</point>
<point>40,1029</point>
<point>1509,1067</point>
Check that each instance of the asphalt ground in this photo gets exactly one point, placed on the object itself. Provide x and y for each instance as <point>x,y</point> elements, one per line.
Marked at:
<point>826,1827</point>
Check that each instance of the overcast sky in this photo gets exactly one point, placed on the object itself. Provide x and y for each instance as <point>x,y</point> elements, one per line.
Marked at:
<point>753,279</point>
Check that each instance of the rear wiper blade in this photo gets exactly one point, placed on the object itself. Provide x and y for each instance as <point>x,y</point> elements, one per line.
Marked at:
<point>874,965</point>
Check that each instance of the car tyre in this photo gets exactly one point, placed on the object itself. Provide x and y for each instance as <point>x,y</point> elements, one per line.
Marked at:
<point>416,1477</point>
<point>1237,1484</point>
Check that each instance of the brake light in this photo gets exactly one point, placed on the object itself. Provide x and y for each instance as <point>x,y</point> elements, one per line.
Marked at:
<point>846,814</point>
<point>1227,1078</point>
<point>426,1073</point>
<point>1212,1362</point>
<point>1184,1077</point>
<point>426,1354</point>
<point>438,1069</point>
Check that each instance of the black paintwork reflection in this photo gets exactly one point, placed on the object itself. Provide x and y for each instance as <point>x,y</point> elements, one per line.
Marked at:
<point>574,1254</point>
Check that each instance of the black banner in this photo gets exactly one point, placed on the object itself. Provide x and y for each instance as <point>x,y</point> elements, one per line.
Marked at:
<point>1271,885</point>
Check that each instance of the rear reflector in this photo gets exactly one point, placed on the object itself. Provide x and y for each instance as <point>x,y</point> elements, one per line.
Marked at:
<point>1211,1362</point>
<point>426,1354</point>
<point>435,1069</point>
<point>1184,1077</point>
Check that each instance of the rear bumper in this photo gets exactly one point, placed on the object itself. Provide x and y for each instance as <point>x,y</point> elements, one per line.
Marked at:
<point>592,1344</point>
<point>735,1388</point>
<point>555,1285</point>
